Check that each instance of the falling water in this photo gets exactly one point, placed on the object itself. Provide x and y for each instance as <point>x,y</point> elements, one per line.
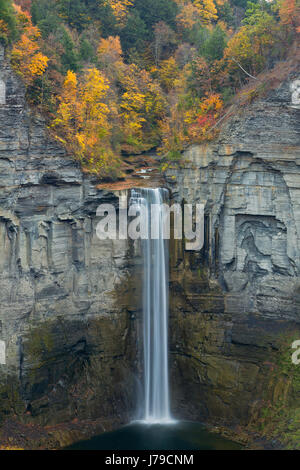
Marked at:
<point>155,252</point>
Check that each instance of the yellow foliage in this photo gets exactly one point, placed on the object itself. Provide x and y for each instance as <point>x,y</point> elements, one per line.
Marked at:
<point>187,16</point>
<point>120,8</point>
<point>168,73</point>
<point>3,27</point>
<point>142,104</point>
<point>23,17</point>
<point>250,46</point>
<point>186,125</point>
<point>239,46</point>
<point>111,45</point>
<point>82,122</point>
<point>206,10</point>
<point>11,448</point>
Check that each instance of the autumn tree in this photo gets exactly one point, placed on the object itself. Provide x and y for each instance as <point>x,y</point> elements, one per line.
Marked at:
<point>189,123</point>
<point>130,75</point>
<point>187,16</point>
<point>82,123</point>
<point>202,118</point>
<point>27,59</point>
<point>168,73</point>
<point>185,54</point>
<point>199,80</point>
<point>206,10</point>
<point>68,111</point>
<point>173,135</point>
<point>289,11</point>
<point>138,98</point>
<point>142,105</point>
<point>173,129</point>
<point>120,9</point>
<point>163,37</point>
<point>251,48</point>
<point>24,4</point>
<point>110,54</point>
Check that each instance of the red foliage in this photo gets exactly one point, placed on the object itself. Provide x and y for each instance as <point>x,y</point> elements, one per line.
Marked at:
<point>207,120</point>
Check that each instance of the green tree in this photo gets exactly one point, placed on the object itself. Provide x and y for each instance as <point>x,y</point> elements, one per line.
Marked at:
<point>87,52</point>
<point>254,46</point>
<point>73,12</point>
<point>213,47</point>
<point>225,13</point>
<point>134,34</point>
<point>256,11</point>
<point>7,21</point>
<point>69,57</point>
<point>153,11</point>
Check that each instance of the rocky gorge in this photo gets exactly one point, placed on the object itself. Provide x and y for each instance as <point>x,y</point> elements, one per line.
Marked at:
<point>66,323</point>
<point>235,308</point>
<point>70,306</point>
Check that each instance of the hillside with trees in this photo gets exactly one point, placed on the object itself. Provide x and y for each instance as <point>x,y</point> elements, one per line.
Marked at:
<point>117,77</point>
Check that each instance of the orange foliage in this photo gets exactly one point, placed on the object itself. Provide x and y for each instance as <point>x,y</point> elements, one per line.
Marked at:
<point>289,12</point>
<point>3,28</point>
<point>187,16</point>
<point>26,57</point>
<point>193,125</point>
<point>110,53</point>
<point>23,16</point>
<point>203,11</point>
<point>203,117</point>
<point>110,45</point>
<point>24,4</point>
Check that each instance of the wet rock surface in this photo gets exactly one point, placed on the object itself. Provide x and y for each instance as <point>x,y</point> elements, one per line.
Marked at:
<point>70,303</point>
<point>235,308</point>
<point>67,302</point>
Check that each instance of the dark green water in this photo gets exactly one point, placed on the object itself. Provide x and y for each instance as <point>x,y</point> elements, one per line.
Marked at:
<point>182,435</point>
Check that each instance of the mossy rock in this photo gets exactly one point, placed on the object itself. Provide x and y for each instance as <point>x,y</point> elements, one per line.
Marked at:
<point>279,414</point>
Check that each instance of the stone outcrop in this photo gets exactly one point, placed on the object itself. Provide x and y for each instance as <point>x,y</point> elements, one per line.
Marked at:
<point>68,345</point>
<point>235,307</point>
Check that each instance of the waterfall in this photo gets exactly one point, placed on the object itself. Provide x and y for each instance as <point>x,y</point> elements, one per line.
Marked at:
<point>155,253</point>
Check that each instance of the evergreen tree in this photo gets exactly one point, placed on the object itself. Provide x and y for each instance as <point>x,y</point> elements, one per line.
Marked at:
<point>153,11</point>
<point>214,46</point>
<point>133,35</point>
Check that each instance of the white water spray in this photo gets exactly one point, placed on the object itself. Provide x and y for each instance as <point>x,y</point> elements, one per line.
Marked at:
<point>155,254</point>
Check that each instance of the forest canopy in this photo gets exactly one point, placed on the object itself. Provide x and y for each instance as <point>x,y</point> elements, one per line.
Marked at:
<point>117,77</point>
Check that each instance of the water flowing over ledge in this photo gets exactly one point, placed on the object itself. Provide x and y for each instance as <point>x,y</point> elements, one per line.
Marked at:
<point>155,253</point>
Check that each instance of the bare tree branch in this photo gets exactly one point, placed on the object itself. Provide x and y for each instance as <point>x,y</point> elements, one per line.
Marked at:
<point>245,71</point>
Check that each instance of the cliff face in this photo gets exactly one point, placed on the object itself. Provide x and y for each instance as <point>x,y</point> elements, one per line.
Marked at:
<point>235,307</point>
<point>68,348</point>
<point>69,303</point>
